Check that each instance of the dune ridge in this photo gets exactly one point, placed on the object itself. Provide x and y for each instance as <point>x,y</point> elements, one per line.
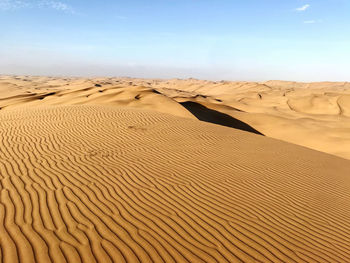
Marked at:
<point>314,115</point>
<point>87,183</point>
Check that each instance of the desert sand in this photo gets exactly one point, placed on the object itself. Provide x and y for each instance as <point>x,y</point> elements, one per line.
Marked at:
<point>122,170</point>
<point>314,115</point>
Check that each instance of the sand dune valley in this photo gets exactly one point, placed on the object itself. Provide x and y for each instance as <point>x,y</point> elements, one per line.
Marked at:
<point>139,170</point>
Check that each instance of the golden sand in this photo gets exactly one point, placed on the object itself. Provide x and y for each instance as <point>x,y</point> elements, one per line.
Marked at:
<point>120,170</point>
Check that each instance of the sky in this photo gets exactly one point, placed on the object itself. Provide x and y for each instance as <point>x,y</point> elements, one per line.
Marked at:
<point>253,40</point>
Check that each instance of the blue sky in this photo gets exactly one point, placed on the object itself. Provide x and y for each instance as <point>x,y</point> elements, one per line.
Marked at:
<point>303,40</point>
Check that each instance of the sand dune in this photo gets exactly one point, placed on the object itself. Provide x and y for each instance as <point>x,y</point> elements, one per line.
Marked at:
<point>110,184</point>
<point>76,92</point>
<point>315,115</point>
<point>122,170</point>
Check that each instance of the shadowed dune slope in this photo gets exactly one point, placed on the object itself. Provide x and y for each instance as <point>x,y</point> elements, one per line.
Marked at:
<point>106,184</point>
<point>208,115</point>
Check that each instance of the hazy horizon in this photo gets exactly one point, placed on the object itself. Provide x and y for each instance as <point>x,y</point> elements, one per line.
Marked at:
<point>252,40</point>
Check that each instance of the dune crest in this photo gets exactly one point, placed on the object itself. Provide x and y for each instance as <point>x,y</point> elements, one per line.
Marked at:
<point>314,115</point>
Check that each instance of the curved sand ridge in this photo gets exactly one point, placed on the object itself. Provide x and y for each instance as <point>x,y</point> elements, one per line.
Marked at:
<point>314,115</point>
<point>109,184</point>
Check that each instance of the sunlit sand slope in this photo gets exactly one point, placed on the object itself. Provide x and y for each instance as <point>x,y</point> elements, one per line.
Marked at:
<point>109,184</point>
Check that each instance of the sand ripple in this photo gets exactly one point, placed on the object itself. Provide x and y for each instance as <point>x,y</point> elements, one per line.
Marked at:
<point>103,184</point>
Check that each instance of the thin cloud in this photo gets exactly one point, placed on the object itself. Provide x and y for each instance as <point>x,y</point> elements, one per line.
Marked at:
<point>303,8</point>
<point>310,22</point>
<point>313,21</point>
<point>57,5</point>
<point>12,4</point>
<point>21,4</point>
<point>121,17</point>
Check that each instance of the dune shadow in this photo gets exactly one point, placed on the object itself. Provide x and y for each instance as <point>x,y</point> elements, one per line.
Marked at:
<point>208,115</point>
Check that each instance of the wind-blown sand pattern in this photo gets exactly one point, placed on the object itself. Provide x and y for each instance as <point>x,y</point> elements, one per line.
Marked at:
<point>86,182</point>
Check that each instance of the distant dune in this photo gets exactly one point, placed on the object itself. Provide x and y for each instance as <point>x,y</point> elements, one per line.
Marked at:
<point>122,170</point>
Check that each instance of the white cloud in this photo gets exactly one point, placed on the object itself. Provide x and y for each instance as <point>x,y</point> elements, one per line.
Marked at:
<point>20,4</point>
<point>13,4</point>
<point>57,5</point>
<point>313,21</point>
<point>303,8</point>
